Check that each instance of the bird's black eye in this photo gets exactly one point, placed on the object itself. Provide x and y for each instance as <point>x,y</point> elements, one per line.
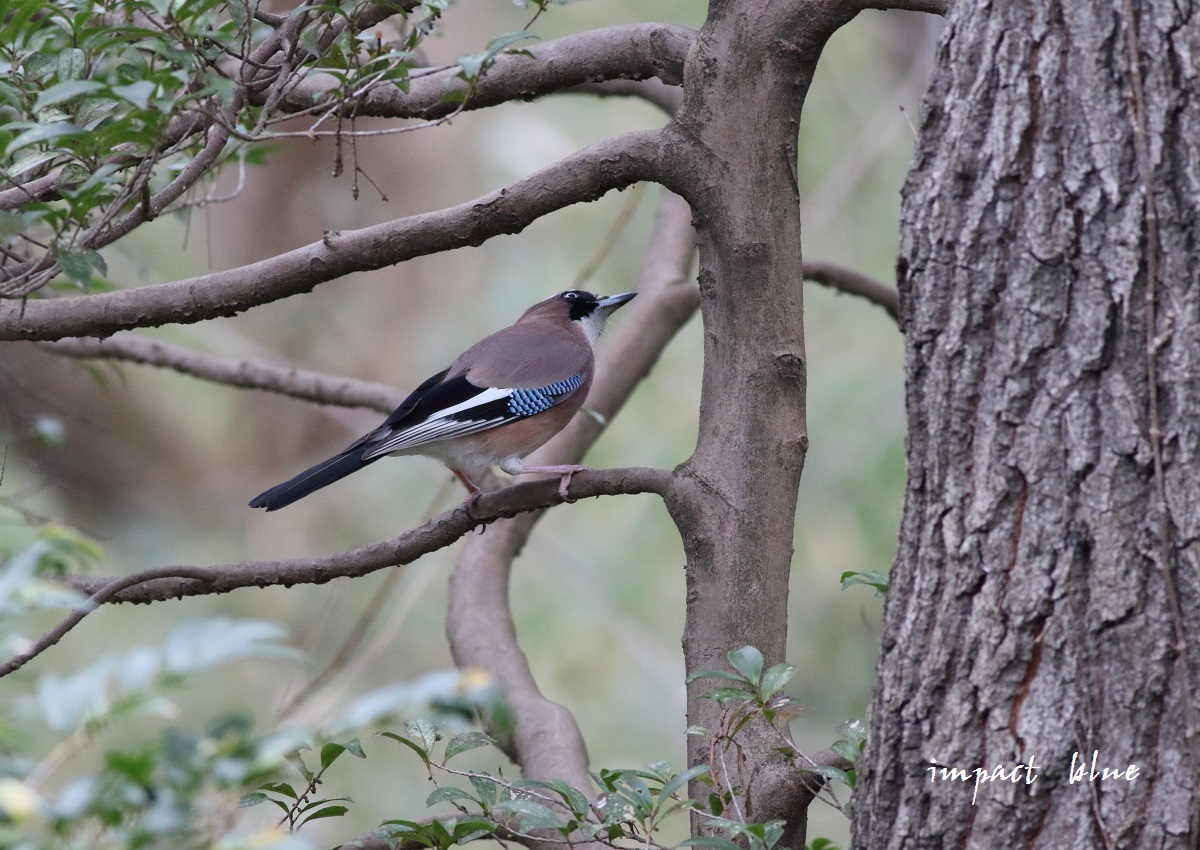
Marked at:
<point>575,295</point>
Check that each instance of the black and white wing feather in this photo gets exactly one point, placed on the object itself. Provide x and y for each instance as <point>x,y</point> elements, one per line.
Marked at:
<point>439,409</point>
<point>445,409</point>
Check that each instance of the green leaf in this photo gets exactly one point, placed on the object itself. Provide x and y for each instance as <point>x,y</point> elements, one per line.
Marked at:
<point>281,788</point>
<point>62,92</point>
<point>821,844</point>
<point>466,741</point>
<point>74,265</point>
<point>854,730</point>
<point>724,695</point>
<point>680,780</point>
<point>423,731</point>
<point>748,661</point>
<point>327,812</point>
<point>531,815</point>
<point>331,751</point>
<point>476,64</point>
<point>240,11</point>
<point>252,799</point>
<point>488,790</point>
<point>837,775</point>
<point>71,64</point>
<point>775,677</point>
<point>39,65</point>
<point>416,748</point>
<point>138,93</point>
<point>576,801</point>
<point>874,579</point>
<point>447,793</point>
<point>470,830</point>
<point>41,133</point>
<point>329,754</point>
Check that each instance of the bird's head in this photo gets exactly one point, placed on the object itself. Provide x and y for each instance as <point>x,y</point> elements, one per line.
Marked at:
<point>575,305</point>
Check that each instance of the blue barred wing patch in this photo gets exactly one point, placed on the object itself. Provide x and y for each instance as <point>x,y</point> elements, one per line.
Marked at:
<point>533,402</point>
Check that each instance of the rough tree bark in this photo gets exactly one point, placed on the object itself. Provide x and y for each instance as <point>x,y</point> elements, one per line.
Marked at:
<point>1044,599</point>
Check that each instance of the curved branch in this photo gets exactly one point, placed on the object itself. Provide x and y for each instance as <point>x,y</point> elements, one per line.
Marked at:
<point>847,280</point>
<point>547,742</point>
<point>629,52</point>
<point>584,176</point>
<point>247,374</point>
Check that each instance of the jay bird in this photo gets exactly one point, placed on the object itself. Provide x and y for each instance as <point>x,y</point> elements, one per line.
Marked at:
<point>502,398</point>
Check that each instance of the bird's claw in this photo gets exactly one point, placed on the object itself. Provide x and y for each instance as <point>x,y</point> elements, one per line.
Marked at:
<point>469,503</point>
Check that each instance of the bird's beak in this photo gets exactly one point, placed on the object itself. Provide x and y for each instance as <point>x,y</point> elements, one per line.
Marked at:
<point>609,304</point>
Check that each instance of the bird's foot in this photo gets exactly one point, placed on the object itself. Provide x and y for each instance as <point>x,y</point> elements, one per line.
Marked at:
<point>565,482</point>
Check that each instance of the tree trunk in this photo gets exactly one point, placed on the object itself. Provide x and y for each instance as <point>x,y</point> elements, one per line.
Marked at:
<point>1045,599</point>
<point>731,151</point>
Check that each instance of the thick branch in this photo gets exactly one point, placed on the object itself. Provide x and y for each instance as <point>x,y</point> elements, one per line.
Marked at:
<point>247,374</point>
<point>613,164</point>
<point>933,7</point>
<point>847,280</point>
<point>629,52</point>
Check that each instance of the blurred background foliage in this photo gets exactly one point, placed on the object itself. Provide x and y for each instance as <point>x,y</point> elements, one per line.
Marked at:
<point>158,467</point>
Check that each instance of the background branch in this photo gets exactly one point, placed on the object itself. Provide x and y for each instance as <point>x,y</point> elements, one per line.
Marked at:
<point>584,176</point>
<point>847,280</point>
<point>246,374</point>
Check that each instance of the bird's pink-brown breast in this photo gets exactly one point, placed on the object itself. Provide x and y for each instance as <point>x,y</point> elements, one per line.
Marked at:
<point>521,436</point>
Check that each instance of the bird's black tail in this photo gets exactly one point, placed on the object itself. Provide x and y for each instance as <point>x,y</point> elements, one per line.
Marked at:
<point>324,473</point>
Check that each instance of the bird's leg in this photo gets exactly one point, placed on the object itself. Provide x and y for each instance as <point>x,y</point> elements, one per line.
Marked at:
<point>514,466</point>
<point>473,492</point>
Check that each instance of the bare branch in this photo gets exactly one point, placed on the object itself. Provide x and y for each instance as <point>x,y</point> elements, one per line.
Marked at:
<point>247,374</point>
<point>849,281</point>
<point>630,52</point>
<point>584,176</point>
<point>547,742</point>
